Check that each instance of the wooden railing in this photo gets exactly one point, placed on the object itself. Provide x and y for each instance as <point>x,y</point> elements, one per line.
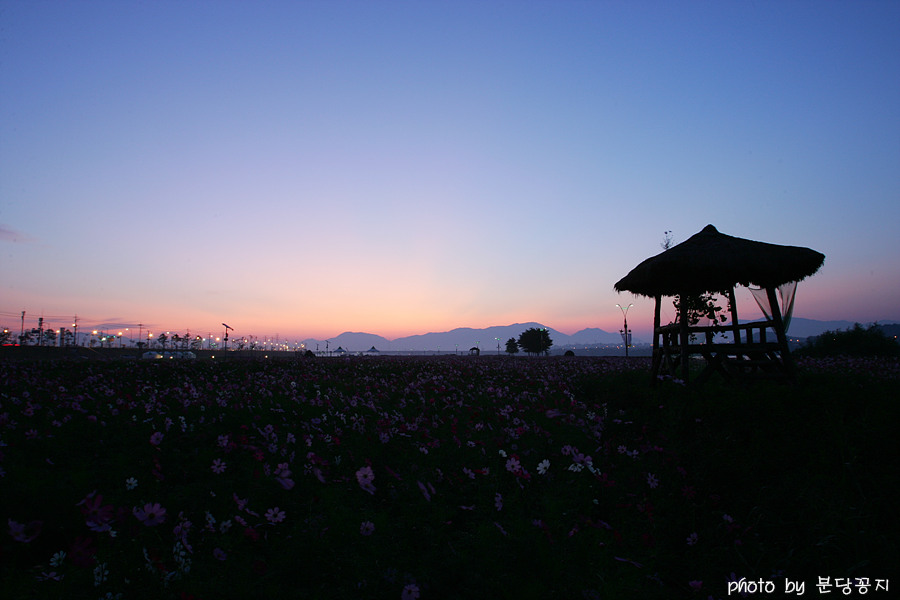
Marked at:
<point>743,333</point>
<point>754,350</point>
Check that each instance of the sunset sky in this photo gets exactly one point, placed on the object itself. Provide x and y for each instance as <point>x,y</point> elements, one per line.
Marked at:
<point>308,168</point>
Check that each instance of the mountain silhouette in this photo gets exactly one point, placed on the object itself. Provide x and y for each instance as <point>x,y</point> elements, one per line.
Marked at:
<point>486,339</point>
<point>460,339</point>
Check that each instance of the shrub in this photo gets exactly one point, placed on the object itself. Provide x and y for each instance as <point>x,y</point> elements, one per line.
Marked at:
<point>856,341</point>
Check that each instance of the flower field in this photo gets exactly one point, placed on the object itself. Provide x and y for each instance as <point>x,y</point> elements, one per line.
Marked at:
<point>443,477</point>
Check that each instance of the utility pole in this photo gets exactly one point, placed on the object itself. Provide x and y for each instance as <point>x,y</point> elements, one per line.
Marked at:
<point>75,330</point>
<point>22,331</point>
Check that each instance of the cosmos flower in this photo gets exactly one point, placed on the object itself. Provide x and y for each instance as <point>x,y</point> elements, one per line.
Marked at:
<point>24,532</point>
<point>275,515</point>
<point>150,515</point>
<point>365,477</point>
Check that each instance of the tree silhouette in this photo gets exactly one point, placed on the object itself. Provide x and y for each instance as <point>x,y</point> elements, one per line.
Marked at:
<point>857,341</point>
<point>535,341</point>
<point>49,337</point>
<point>511,346</point>
<point>66,336</point>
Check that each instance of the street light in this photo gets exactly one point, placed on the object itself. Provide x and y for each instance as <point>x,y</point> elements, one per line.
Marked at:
<point>625,333</point>
<point>225,344</point>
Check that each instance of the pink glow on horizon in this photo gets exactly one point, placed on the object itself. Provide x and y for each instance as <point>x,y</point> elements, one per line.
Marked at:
<point>329,319</point>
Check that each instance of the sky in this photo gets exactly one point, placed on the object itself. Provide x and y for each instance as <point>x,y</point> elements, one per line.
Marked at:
<point>308,168</point>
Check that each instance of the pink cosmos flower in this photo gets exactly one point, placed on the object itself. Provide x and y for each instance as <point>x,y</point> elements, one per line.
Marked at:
<point>83,552</point>
<point>692,539</point>
<point>410,592</point>
<point>581,459</point>
<point>365,477</point>
<point>652,481</point>
<point>218,466</point>
<point>97,515</point>
<point>24,532</point>
<point>156,438</point>
<point>367,528</point>
<point>283,476</point>
<point>219,554</point>
<point>151,514</point>
<point>274,515</point>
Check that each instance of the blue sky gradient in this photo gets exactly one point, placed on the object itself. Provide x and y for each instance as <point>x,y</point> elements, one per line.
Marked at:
<point>310,168</point>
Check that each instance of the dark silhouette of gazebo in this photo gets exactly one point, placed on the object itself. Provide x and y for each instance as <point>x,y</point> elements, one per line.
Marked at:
<point>710,261</point>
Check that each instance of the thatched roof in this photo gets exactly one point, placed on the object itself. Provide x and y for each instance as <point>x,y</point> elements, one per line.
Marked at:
<point>710,261</point>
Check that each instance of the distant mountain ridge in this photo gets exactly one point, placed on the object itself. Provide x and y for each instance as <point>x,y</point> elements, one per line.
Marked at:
<point>487,339</point>
<point>461,339</point>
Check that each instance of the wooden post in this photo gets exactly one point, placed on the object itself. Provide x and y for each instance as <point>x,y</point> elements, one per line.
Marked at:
<point>685,374</point>
<point>734,316</point>
<point>786,359</point>
<point>657,349</point>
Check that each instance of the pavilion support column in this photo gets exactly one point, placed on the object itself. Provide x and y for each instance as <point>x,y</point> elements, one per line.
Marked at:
<point>786,358</point>
<point>734,316</point>
<point>657,349</point>
<point>685,334</point>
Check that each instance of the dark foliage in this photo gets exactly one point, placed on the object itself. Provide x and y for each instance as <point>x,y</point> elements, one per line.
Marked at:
<point>856,341</point>
<point>535,341</point>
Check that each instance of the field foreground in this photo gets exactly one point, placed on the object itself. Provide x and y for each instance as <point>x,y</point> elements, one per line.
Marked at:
<point>441,478</point>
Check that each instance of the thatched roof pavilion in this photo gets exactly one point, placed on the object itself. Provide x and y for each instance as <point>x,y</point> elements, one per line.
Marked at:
<point>710,261</point>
